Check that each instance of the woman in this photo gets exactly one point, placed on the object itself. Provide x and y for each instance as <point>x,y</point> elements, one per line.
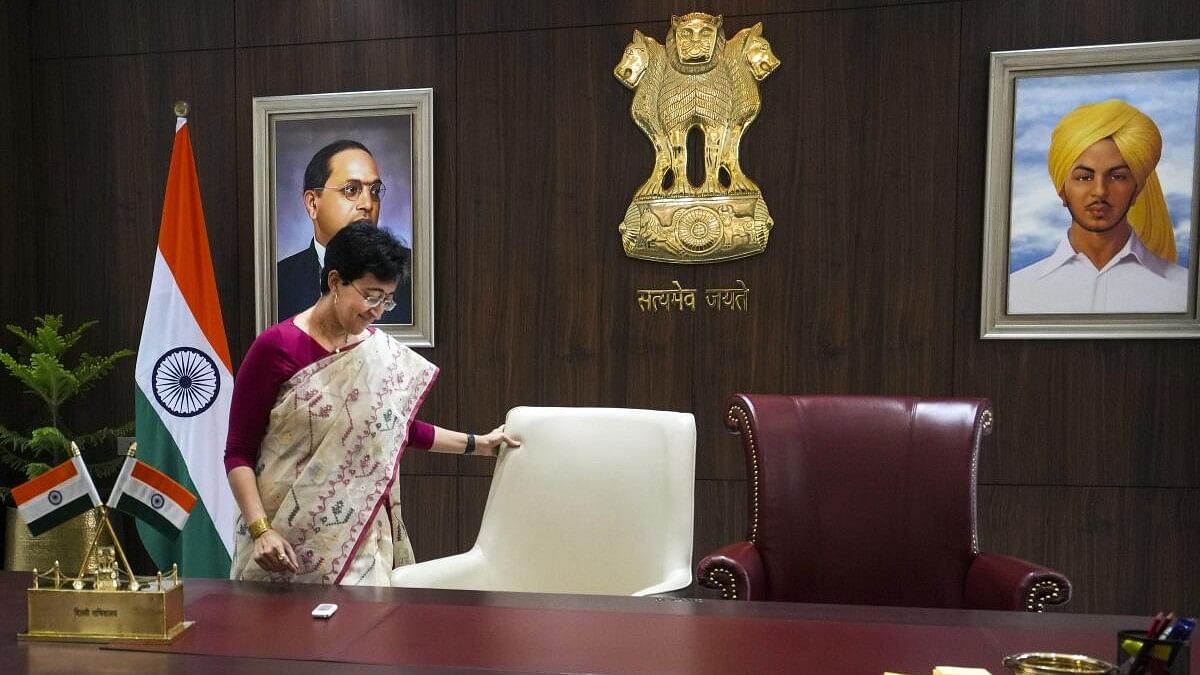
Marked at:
<point>323,406</point>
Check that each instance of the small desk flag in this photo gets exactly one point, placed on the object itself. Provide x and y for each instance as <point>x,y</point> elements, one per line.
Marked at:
<point>56,496</point>
<point>149,494</point>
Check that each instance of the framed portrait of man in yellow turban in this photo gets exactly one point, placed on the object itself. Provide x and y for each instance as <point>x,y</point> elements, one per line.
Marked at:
<point>1091,202</point>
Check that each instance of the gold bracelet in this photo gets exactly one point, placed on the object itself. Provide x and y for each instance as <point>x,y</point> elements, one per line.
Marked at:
<point>259,527</point>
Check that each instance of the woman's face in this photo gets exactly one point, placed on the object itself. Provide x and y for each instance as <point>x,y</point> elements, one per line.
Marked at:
<point>354,300</point>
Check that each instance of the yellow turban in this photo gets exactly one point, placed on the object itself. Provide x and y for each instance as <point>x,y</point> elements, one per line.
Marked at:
<point>1140,144</point>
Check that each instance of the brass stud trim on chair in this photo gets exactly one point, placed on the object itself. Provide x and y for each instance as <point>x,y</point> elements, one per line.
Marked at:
<point>1041,593</point>
<point>738,417</point>
<point>722,578</point>
<point>985,423</point>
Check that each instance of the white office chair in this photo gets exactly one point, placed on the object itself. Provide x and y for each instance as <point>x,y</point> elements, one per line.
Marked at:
<point>595,500</point>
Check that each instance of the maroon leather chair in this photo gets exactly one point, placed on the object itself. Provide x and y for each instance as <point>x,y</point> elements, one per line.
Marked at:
<point>868,500</point>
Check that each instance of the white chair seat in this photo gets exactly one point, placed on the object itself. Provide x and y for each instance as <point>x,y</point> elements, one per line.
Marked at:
<point>596,500</point>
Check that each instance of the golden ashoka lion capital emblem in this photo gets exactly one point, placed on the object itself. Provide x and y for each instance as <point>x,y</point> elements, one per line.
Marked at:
<point>697,81</point>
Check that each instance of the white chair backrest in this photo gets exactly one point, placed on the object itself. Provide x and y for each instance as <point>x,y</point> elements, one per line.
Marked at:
<point>596,500</point>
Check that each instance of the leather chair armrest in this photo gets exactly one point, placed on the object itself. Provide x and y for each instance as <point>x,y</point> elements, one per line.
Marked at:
<point>1002,582</point>
<point>736,570</point>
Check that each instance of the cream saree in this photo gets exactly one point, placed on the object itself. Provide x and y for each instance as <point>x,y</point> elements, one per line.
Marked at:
<point>327,465</point>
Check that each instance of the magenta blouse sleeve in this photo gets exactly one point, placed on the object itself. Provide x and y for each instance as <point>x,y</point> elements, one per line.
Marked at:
<point>266,366</point>
<point>420,434</point>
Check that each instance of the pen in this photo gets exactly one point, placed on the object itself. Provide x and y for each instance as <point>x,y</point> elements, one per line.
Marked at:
<point>1136,664</point>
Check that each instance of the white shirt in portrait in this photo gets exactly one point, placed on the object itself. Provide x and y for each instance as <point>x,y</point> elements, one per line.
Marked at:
<point>1066,282</point>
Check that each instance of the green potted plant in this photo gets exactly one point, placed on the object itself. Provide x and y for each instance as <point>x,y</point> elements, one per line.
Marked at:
<point>40,364</point>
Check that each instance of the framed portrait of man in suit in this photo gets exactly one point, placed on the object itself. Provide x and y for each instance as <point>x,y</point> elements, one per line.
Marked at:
<point>1091,207</point>
<point>323,161</point>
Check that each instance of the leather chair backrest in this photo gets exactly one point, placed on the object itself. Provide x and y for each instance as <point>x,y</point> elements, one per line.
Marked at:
<point>864,499</point>
<point>596,500</point>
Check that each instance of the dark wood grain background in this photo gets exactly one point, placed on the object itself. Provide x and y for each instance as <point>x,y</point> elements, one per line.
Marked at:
<point>870,153</point>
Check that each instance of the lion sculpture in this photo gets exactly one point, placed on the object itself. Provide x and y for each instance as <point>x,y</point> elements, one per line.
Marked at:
<point>698,80</point>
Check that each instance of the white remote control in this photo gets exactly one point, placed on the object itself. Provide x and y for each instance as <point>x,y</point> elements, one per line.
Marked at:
<point>324,610</point>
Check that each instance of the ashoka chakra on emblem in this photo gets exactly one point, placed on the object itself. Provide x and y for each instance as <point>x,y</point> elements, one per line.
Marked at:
<point>698,228</point>
<point>185,381</point>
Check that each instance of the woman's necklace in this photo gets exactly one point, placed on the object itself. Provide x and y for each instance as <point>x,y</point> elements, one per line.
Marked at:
<point>345,341</point>
<point>337,348</point>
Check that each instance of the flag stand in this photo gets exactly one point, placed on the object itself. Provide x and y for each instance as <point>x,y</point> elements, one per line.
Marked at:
<point>101,607</point>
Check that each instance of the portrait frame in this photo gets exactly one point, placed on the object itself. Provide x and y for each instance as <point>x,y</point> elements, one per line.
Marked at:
<point>289,129</point>
<point>1030,86</point>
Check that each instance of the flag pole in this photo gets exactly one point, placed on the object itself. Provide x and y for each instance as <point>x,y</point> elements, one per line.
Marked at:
<point>95,537</point>
<point>105,524</point>
<point>181,108</point>
<point>133,582</point>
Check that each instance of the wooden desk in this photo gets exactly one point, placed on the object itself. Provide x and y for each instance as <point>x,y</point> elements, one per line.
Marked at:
<point>259,628</point>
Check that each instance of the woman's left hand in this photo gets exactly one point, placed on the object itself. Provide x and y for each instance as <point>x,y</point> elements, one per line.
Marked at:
<point>488,445</point>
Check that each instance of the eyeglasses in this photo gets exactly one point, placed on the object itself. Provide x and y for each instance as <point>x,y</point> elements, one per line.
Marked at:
<point>353,189</point>
<point>372,301</point>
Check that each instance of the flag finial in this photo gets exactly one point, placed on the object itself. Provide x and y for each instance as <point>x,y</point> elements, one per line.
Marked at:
<point>181,108</point>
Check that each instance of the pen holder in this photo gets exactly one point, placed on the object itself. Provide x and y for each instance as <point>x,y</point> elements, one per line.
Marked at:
<point>1153,656</point>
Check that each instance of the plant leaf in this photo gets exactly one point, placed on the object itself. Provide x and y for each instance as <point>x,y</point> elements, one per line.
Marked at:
<point>92,368</point>
<point>11,439</point>
<point>35,469</point>
<point>50,441</point>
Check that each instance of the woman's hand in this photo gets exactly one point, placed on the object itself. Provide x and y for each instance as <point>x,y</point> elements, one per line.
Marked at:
<point>274,554</point>
<point>488,445</point>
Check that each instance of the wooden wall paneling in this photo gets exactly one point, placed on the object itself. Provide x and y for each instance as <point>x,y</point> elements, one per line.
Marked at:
<point>544,185</point>
<point>107,127</point>
<point>482,16</point>
<point>900,186</point>
<point>18,274</point>
<point>854,293</point>
<point>72,28</point>
<point>721,519</point>
<point>430,506</point>
<point>365,66</point>
<point>279,22</point>
<point>1036,24</point>
<point>1126,550</point>
<point>1089,413</point>
<point>15,182</point>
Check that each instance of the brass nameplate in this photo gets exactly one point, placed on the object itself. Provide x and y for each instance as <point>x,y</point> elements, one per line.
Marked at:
<point>66,614</point>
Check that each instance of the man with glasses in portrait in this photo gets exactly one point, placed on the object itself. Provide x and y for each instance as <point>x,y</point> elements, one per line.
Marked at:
<point>341,186</point>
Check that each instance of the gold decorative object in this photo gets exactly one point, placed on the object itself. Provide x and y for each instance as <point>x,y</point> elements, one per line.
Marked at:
<point>67,543</point>
<point>67,609</point>
<point>97,605</point>
<point>1056,664</point>
<point>697,81</point>
<point>100,606</point>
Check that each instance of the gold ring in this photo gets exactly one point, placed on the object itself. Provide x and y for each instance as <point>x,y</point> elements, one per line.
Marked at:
<point>282,556</point>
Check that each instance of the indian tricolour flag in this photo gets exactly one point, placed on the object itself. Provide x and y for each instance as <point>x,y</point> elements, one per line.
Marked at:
<point>184,378</point>
<point>149,494</point>
<point>56,496</point>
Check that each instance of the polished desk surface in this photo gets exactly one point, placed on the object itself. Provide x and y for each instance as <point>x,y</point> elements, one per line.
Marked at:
<point>260,628</point>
